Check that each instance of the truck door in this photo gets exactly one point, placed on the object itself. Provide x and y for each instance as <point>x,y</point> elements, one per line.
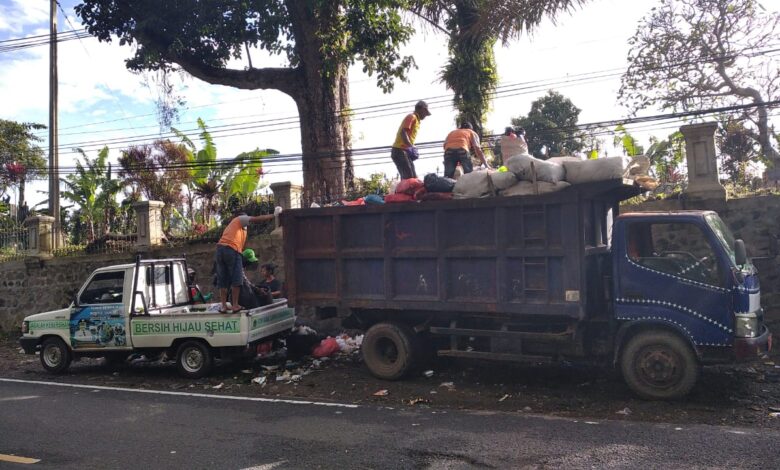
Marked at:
<point>669,272</point>
<point>97,321</point>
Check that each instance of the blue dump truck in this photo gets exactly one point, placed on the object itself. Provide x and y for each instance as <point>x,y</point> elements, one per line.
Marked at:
<point>559,276</point>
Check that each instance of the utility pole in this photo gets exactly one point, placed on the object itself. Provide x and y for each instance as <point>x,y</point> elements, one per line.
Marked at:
<point>54,167</point>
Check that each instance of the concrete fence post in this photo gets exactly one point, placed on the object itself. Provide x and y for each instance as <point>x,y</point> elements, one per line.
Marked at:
<point>287,195</point>
<point>703,179</point>
<point>150,223</point>
<point>39,235</point>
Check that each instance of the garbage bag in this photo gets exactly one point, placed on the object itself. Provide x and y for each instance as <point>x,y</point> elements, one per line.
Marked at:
<point>408,186</point>
<point>391,198</point>
<point>419,193</point>
<point>526,188</point>
<point>357,202</point>
<point>373,199</point>
<point>502,181</point>
<point>600,169</point>
<point>473,185</point>
<point>437,197</point>
<point>438,184</point>
<point>327,347</point>
<point>520,165</point>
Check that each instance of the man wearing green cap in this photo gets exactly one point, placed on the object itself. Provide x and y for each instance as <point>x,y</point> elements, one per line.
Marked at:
<point>251,296</point>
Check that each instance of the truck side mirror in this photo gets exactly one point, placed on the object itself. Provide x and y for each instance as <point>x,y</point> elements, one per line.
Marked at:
<point>740,255</point>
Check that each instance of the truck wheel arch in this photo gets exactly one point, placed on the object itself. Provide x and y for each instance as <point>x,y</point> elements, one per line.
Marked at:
<point>631,328</point>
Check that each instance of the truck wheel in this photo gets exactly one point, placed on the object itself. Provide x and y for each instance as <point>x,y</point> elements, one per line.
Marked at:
<point>389,350</point>
<point>55,356</point>
<point>659,365</point>
<point>194,359</point>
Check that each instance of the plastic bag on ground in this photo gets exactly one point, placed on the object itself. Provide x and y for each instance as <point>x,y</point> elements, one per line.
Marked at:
<point>588,171</point>
<point>408,186</point>
<point>473,185</point>
<point>526,188</point>
<point>438,184</point>
<point>327,347</point>
<point>520,165</point>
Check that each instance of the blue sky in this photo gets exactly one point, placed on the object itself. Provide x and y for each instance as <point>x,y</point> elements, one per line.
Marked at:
<point>100,100</point>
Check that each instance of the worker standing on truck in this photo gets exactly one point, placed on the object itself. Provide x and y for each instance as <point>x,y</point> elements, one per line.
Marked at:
<point>458,147</point>
<point>404,153</point>
<point>230,272</point>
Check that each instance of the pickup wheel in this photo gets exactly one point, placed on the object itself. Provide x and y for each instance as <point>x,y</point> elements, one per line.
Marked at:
<point>194,359</point>
<point>659,365</point>
<point>390,350</point>
<point>55,355</point>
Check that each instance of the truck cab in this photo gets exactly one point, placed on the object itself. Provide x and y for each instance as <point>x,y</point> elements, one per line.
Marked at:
<point>147,306</point>
<point>682,275</point>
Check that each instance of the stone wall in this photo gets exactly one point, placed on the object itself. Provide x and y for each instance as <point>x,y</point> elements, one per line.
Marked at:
<point>36,285</point>
<point>756,220</point>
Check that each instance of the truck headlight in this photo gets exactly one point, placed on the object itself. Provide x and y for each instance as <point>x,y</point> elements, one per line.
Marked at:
<point>746,325</point>
<point>25,327</point>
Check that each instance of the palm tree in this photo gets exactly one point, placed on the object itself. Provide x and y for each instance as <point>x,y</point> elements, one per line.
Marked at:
<point>93,190</point>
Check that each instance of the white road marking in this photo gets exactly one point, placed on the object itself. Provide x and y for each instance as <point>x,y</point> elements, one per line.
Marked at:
<point>267,466</point>
<point>183,394</point>
<point>27,397</point>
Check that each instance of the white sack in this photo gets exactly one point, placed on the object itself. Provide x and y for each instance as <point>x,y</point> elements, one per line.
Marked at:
<point>520,165</point>
<point>503,180</point>
<point>526,188</point>
<point>600,169</point>
<point>473,185</point>
<point>511,146</point>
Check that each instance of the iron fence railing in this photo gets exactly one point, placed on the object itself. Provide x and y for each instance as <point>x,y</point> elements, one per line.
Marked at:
<point>14,242</point>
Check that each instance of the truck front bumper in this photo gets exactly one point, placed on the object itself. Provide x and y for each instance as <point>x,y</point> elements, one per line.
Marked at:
<point>749,348</point>
<point>30,345</point>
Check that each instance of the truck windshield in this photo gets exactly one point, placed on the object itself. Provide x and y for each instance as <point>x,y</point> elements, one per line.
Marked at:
<point>723,233</point>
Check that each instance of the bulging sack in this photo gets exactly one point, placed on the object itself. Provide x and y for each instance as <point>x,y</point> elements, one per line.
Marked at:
<point>438,184</point>
<point>588,171</point>
<point>526,188</point>
<point>408,186</point>
<point>503,180</point>
<point>520,165</point>
<point>473,185</point>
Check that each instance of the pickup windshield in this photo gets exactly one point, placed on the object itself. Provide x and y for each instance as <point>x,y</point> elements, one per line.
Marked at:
<point>725,237</point>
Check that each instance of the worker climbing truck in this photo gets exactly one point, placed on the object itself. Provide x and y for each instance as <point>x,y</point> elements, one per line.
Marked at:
<point>558,276</point>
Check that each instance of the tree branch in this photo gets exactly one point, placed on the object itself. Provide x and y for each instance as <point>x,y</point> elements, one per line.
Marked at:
<point>284,79</point>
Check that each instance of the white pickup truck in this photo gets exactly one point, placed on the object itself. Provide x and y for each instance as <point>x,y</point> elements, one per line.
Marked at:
<point>147,307</point>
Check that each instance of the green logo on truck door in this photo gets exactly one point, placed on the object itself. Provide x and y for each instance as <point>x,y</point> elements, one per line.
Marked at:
<point>261,321</point>
<point>207,327</point>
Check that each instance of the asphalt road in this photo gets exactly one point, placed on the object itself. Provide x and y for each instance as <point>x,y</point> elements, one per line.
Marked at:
<point>80,426</point>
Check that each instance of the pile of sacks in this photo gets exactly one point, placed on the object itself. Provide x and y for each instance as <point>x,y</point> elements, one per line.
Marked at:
<point>433,188</point>
<point>525,175</point>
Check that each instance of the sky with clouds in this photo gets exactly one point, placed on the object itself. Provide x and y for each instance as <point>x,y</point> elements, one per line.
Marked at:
<point>100,102</point>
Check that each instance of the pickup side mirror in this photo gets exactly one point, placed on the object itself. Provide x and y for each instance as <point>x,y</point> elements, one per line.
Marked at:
<point>740,255</point>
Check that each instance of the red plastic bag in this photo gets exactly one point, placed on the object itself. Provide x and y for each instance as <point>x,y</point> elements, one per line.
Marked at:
<point>437,197</point>
<point>418,195</point>
<point>409,186</point>
<point>357,202</point>
<point>390,198</point>
<point>327,347</point>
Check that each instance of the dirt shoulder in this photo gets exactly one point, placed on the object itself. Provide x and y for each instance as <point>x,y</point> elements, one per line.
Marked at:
<point>743,395</point>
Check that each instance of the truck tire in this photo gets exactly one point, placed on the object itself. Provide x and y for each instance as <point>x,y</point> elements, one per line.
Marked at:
<point>55,355</point>
<point>390,350</point>
<point>659,365</point>
<point>194,359</point>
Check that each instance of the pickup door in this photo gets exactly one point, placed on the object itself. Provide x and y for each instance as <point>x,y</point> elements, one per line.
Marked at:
<point>98,319</point>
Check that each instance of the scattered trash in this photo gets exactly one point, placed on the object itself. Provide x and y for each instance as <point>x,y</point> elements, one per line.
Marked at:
<point>678,429</point>
<point>259,380</point>
<point>774,408</point>
<point>448,385</point>
<point>270,368</point>
<point>758,408</point>
<point>504,397</point>
<point>625,411</point>
<point>415,401</point>
<point>381,393</point>
<point>348,345</point>
<point>527,408</point>
<point>774,415</point>
<point>428,373</point>
<point>217,387</point>
<point>284,376</point>
<point>246,371</point>
<point>433,392</point>
<point>327,347</point>
<point>769,363</point>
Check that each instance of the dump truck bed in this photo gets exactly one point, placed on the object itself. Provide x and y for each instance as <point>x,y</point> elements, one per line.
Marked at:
<point>512,255</point>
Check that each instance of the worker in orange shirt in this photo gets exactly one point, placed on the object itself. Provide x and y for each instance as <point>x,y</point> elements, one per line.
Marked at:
<point>458,147</point>
<point>230,272</point>
<point>404,153</point>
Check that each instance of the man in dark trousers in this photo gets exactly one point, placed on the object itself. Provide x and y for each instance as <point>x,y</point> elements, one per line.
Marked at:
<point>404,153</point>
<point>458,147</point>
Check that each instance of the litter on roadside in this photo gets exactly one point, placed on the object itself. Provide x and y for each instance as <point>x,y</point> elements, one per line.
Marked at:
<point>428,373</point>
<point>448,385</point>
<point>381,393</point>
<point>504,397</point>
<point>625,411</point>
<point>259,380</point>
<point>217,387</point>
